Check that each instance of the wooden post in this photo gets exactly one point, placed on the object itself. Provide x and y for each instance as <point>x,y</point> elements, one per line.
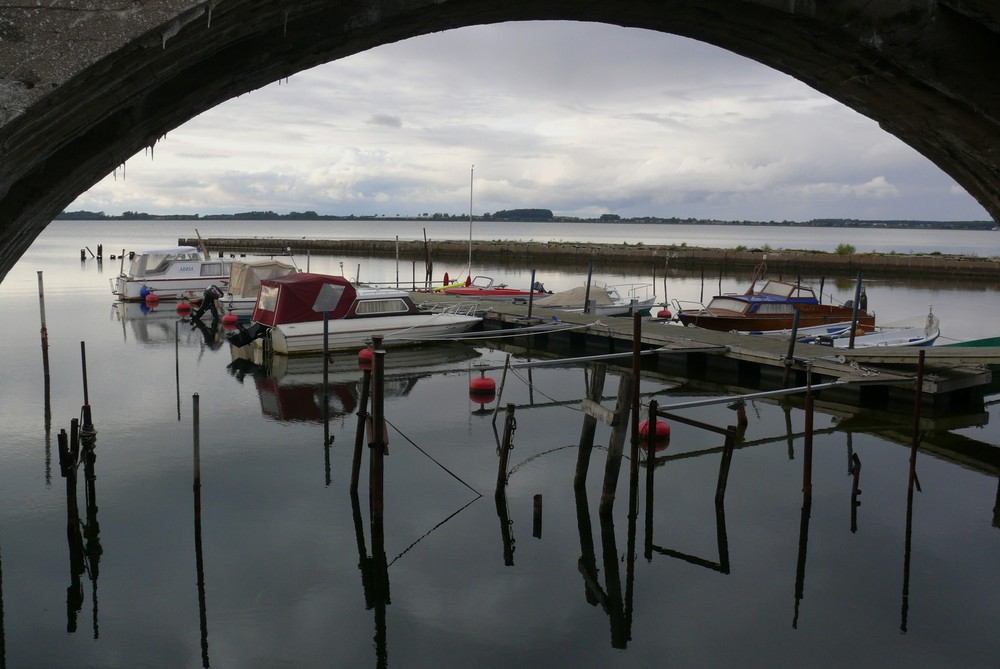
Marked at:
<point>616,443</point>
<point>377,469</point>
<point>505,446</point>
<point>589,426</point>
<point>789,357</point>
<point>586,293</point>
<point>854,314</point>
<point>45,354</point>
<point>531,293</point>
<point>83,358</point>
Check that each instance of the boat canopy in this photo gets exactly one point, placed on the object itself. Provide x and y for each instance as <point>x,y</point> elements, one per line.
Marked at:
<point>246,275</point>
<point>574,298</point>
<point>302,297</point>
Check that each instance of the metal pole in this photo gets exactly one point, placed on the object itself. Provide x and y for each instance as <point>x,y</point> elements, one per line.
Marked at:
<point>472,173</point>
<point>586,294</point>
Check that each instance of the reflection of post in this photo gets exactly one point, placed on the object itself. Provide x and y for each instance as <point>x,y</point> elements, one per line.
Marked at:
<point>364,561</point>
<point>588,560</point>
<point>807,447</point>
<point>855,490</point>
<point>650,466</point>
<point>74,593</point>
<point>506,533</point>
<point>912,483</point>
<point>800,567</point>
<point>720,500</point>
<point>199,562</point>
<point>612,584</point>
<point>906,549</point>
<point>91,529</point>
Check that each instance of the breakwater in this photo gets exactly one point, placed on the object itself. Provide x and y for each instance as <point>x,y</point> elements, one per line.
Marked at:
<point>646,256</point>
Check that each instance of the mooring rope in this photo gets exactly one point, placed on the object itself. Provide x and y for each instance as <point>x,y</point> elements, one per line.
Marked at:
<point>431,458</point>
<point>428,532</point>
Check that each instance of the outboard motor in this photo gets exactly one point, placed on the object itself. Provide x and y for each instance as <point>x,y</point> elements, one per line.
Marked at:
<point>243,336</point>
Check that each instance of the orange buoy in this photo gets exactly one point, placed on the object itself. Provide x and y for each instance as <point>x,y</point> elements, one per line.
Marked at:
<point>365,356</point>
<point>660,440</point>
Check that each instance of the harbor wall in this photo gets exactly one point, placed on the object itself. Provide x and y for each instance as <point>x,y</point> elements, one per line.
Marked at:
<point>645,256</point>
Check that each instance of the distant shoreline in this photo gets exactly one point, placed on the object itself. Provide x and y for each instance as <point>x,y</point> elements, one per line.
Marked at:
<point>658,257</point>
<point>606,219</point>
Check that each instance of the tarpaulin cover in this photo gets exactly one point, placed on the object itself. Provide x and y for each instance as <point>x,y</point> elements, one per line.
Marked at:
<point>298,298</point>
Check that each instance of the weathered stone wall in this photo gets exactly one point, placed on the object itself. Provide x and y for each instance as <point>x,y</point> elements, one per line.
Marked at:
<point>85,84</point>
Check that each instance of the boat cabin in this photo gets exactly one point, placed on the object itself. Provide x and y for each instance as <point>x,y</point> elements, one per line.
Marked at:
<point>181,260</point>
<point>305,297</point>
<point>776,297</point>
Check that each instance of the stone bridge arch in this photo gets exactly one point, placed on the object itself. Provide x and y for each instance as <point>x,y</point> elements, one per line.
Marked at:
<point>85,84</point>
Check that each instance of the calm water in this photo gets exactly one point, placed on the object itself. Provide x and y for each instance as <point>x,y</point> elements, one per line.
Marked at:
<point>283,556</point>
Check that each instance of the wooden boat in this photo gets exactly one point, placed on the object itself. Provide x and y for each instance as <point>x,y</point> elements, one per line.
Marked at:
<point>169,273</point>
<point>293,311</point>
<point>483,288</point>
<point>770,308</point>
<point>604,301</point>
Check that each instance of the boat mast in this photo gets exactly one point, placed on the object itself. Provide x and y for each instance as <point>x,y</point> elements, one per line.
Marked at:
<point>472,173</point>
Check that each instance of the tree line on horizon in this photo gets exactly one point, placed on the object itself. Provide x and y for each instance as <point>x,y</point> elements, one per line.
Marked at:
<point>519,216</point>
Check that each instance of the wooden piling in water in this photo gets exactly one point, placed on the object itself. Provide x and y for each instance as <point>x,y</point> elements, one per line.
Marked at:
<point>616,443</point>
<point>509,425</point>
<point>589,426</point>
<point>377,462</point>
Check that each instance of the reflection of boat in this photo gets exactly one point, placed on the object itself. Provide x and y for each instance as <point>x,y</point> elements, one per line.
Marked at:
<point>160,325</point>
<point>170,273</point>
<point>771,308</point>
<point>292,312</point>
<point>244,282</point>
<point>291,388</point>
<point>606,301</point>
<point>483,288</point>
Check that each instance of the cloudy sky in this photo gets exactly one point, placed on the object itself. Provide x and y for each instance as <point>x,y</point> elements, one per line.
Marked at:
<point>583,119</point>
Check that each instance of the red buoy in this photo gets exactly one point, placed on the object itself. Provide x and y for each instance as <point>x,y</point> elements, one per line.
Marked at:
<point>230,319</point>
<point>183,307</point>
<point>482,390</point>
<point>152,299</point>
<point>660,440</point>
<point>446,282</point>
<point>664,313</point>
<point>365,356</point>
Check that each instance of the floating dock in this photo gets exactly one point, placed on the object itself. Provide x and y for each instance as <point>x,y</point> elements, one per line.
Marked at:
<point>955,378</point>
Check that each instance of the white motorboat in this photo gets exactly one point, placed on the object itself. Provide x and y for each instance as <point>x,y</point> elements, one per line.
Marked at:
<point>170,273</point>
<point>604,301</point>
<point>294,314</point>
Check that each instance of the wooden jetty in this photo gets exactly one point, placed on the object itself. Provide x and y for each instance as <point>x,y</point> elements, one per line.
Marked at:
<point>956,378</point>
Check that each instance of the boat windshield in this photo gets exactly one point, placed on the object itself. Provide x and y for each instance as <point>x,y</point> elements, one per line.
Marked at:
<point>394,305</point>
<point>268,298</point>
<point>727,304</point>
<point>787,290</point>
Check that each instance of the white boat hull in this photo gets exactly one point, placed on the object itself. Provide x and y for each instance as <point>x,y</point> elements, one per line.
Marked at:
<point>355,333</point>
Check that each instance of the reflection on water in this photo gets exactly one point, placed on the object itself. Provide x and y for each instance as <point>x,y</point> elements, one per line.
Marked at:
<point>713,556</point>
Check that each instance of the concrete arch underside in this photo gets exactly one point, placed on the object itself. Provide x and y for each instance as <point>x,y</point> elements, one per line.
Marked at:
<point>86,85</point>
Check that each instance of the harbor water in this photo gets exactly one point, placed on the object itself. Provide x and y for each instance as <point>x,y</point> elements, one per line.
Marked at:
<point>267,560</point>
